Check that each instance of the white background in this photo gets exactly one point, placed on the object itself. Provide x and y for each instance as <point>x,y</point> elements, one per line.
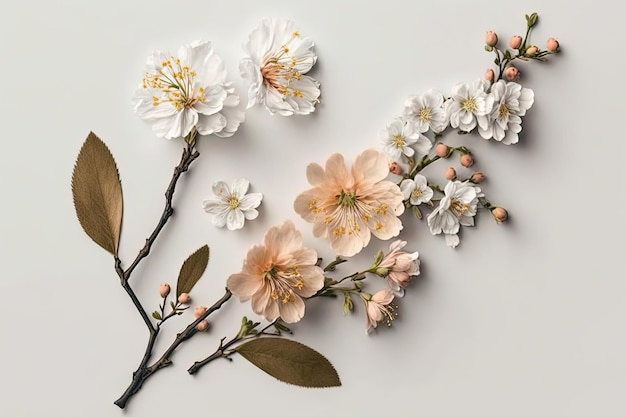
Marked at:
<point>526,318</point>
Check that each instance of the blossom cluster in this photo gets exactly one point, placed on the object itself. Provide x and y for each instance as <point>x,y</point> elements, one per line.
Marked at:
<point>187,94</point>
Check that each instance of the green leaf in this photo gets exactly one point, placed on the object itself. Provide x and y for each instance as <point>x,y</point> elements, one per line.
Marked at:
<point>290,362</point>
<point>192,270</point>
<point>417,212</point>
<point>156,315</point>
<point>97,194</point>
<point>488,48</point>
<point>281,327</point>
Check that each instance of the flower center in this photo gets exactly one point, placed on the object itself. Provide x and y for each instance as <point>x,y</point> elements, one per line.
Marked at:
<point>233,202</point>
<point>458,208</point>
<point>417,193</point>
<point>278,73</point>
<point>282,284</point>
<point>175,81</point>
<point>469,105</point>
<point>503,111</point>
<point>424,114</point>
<point>346,199</point>
<point>398,141</point>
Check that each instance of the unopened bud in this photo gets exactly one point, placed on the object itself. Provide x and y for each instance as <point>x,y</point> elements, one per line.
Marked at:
<point>441,150</point>
<point>477,177</point>
<point>202,326</point>
<point>394,168</point>
<point>489,75</point>
<point>515,42</point>
<point>450,174</point>
<point>499,214</point>
<point>466,160</point>
<point>184,298</point>
<point>491,38</point>
<point>532,50</point>
<point>198,311</point>
<point>552,45</point>
<point>164,290</point>
<point>511,74</point>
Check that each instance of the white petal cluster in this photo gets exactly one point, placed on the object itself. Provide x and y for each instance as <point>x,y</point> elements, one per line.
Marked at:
<point>468,102</point>
<point>510,103</point>
<point>401,138</point>
<point>416,190</point>
<point>188,91</point>
<point>425,112</point>
<point>457,208</point>
<point>232,206</point>
<point>277,59</point>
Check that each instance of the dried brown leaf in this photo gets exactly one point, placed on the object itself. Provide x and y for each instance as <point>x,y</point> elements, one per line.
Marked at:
<point>192,270</point>
<point>97,193</point>
<point>290,362</point>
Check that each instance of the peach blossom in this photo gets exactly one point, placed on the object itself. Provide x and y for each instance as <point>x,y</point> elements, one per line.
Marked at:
<point>395,168</point>
<point>499,214</point>
<point>399,266</point>
<point>489,75</point>
<point>515,42</point>
<point>164,290</point>
<point>450,173</point>
<point>184,298</point>
<point>379,308</point>
<point>511,73</point>
<point>552,45</point>
<point>466,160</point>
<point>277,275</point>
<point>491,38</point>
<point>346,207</point>
<point>441,150</point>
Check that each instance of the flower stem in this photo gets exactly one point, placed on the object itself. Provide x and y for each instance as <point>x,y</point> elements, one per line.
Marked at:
<point>188,156</point>
<point>144,371</point>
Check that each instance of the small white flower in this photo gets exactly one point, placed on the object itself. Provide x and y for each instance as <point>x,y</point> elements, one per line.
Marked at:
<point>399,137</point>
<point>277,59</point>
<point>233,206</point>
<point>505,120</point>
<point>416,190</point>
<point>188,91</point>
<point>468,102</point>
<point>458,207</point>
<point>426,111</point>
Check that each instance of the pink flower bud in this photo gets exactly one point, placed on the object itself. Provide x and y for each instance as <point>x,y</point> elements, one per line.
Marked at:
<point>198,311</point>
<point>489,75</point>
<point>466,160</point>
<point>491,39</point>
<point>441,150</point>
<point>532,50</point>
<point>184,298</point>
<point>552,45</point>
<point>202,326</point>
<point>515,42</point>
<point>394,168</point>
<point>511,74</point>
<point>450,174</point>
<point>164,289</point>
<point>499,214</point>
<point>477,177</point>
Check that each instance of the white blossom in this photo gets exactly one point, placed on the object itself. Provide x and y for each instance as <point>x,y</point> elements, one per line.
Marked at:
<point>504,122</point>
<point>232,206</point>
